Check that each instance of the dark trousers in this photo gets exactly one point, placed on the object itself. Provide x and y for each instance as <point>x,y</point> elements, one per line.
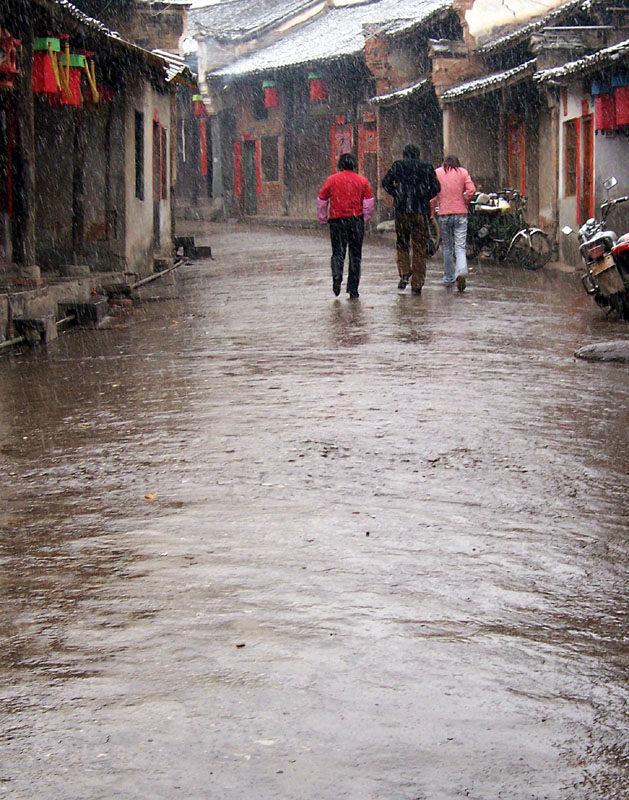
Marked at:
<point>412,231</point>
<point>346,233</point>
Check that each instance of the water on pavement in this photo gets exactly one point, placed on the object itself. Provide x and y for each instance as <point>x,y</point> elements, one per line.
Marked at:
<point>259,543</point>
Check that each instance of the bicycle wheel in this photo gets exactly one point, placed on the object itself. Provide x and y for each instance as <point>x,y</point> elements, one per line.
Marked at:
<point>530,250</point>
<point>473,245</point>
<point>434,237</point>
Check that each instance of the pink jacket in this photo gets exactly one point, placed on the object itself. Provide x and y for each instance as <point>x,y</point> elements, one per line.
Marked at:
<point>457,189</point>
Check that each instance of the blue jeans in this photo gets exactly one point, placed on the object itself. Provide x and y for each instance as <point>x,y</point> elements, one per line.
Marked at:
<point>453,234</point>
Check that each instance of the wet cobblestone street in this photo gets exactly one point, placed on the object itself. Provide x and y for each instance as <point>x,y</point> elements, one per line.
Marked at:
<point>260,543</point>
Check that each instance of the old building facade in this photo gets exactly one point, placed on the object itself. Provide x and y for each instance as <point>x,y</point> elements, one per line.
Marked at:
<point>310,81</point>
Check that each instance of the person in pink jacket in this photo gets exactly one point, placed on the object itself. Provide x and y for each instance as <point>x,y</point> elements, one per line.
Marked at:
<point>457,189</point>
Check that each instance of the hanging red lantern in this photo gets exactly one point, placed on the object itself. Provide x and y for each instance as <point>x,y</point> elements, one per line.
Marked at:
<point>318,88</point>
<point>45,67</point>
<point>8,59</point>
<point>271,94</point>
<point>71,67</point>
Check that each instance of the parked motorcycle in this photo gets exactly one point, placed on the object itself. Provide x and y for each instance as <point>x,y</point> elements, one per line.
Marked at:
<point>606,258</point>
<point>496,225</point>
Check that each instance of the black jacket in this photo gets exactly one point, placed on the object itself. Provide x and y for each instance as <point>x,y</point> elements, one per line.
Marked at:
<point>412,184</point>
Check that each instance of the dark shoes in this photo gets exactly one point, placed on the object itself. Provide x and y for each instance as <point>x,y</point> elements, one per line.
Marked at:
<point>353,295</point>
<point>460,283</point>
<point>403,282</point>
<point>336,286</point>
<point>416,291</point>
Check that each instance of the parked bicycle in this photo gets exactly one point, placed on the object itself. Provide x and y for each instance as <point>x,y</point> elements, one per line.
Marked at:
<point>496,225</point>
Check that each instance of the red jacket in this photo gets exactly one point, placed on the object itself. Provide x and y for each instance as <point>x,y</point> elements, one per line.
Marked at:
<point>346,191</point>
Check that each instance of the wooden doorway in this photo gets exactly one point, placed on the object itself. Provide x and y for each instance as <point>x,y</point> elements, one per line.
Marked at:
<point>516,153</point>
<point>250,198</point>
<point>157,172</point>
<point>586,209</point>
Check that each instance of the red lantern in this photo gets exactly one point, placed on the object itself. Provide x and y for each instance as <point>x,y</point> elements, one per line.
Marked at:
<point>8,59</point>
<point>621,104</point>
<point>271,94</point>
<point>605,110</point>
<point>318,88</point>
<point>45,68</point>
<point>71,67</point>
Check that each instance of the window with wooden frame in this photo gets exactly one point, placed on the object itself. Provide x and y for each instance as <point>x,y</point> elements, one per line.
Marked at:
<point>270,159</point>
<point>259,109</point>
<point>139,155</point>
<point>571,157</point>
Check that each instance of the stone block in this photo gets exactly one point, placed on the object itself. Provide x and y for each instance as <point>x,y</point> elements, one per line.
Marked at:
<point>186,245</point>
<point>36,330</point>
<point>90,313</point>
<point>202,251</point>
<point>75,270</point>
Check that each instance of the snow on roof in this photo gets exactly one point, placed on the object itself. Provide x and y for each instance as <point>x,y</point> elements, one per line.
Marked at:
<point>96,25</point>
<point>167,2</point>
<point>522,32</point>
<point>336,34</point>
<point>401,94</point>
<point>599,59</point>
<point>238,19</point>
<point>176,66</point>
<point>489,83</point>
<point>90,22</point>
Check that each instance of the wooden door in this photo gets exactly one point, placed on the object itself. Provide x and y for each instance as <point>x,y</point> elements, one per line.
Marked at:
<point>516,154</point>
<point>157,183</point>
<point>587,172</point>
<point>249,179</point>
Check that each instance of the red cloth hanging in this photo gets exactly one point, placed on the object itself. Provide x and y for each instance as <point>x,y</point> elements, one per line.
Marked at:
<point>605,112</point>
<point>621,105</point>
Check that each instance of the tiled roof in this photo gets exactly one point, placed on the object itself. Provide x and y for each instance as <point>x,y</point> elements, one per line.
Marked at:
<point>602,58</point>
<point>489,83</point>
<point>176,66</point>
<point>85,19</point>
<point>402,94</point>
<point>96,25</point>
<point>337,33</point>
<point>239,19</point>
<point>520,33</point>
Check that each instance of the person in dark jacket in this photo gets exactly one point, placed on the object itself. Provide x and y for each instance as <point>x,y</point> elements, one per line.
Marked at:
<point>346,202</point>
<point>412,184</point>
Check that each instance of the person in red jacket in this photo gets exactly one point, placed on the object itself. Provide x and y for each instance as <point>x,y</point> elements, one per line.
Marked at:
<point>346,202</point>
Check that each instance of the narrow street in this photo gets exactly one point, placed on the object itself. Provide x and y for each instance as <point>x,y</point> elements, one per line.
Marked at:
<point>260,543</point>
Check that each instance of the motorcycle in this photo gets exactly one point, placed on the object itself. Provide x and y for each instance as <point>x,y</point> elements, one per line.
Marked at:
<point>606,258</point>
<point>496,226</point>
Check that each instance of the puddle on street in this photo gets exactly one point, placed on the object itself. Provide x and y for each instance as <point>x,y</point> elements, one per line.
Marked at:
<point>256,541</point>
